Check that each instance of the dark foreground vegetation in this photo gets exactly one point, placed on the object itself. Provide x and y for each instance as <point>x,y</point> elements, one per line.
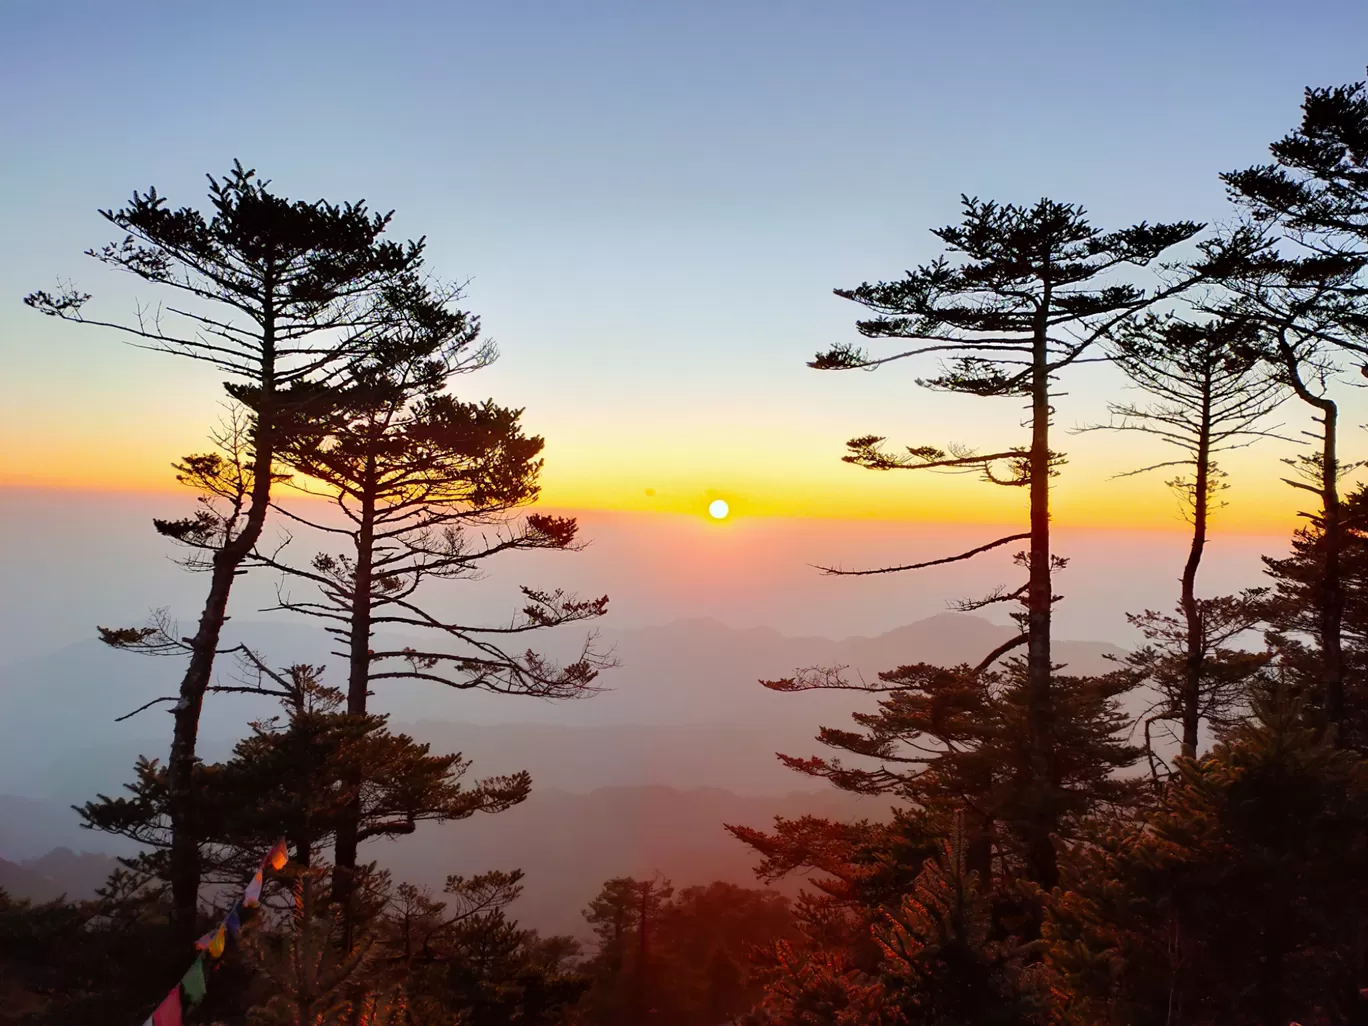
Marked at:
<point>1050,857</point>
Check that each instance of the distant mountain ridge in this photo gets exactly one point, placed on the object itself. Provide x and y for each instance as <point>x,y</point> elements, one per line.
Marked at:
<point>567,844</point>
<point>684,709</point>
<point>60,873</point>
<point>637,779</point>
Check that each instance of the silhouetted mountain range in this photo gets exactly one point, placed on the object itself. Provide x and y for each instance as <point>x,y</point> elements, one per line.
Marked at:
<point>59,873</point>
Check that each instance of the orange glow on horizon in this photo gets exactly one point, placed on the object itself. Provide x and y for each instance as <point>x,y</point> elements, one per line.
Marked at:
<point>796,485</point>
<point>1267,510</point>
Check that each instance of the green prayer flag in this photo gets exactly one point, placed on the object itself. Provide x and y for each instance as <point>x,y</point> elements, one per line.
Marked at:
<point>193,982</point>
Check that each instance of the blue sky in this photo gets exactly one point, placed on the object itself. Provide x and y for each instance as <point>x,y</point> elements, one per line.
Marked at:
<point>651,201</point>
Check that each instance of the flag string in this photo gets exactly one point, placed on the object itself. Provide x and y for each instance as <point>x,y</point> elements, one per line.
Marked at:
<point>189,991</point>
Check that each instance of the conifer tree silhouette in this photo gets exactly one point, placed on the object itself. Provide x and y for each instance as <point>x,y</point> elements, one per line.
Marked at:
<point>307,774</point>
<point>1298,268</point>
<point>1237,898</point>
<point>428,487</point>
<point>1034,293</point>
<point>1209,395</point>
<point>278,295</point>
<point>941,961</point>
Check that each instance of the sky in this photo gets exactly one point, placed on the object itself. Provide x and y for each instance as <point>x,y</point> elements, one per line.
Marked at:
<point>651,204</point>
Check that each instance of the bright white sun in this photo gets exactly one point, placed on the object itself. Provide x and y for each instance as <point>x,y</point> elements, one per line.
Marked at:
<point>718,509</point>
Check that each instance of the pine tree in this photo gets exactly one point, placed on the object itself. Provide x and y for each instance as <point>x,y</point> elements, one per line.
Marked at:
<point>301,776</point>
<point>861,871</point>
<point>1316,189</point>
<point>416,474</point>
<point>314,980</point>
<point>1238,899</point>
<point>1195,663</point>
<point>1208,397</point>
<point>858,865</point>
<point>1293,303</point>
<point>705,944</point>
<point>66,963</point>
<point>463,959</point>
<point>625,915</point>
<point>952,740</point>
<point>1034,293</point>
<point>280,296</point>
<point>1292,612</point>
<point>822,988</point>
<point>1299,270</point>
<point>942,966</point>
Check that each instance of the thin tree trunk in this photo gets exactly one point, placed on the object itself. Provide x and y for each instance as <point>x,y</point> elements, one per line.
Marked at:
<point>978,847</point>
<point>1192,668</point>
<point>1332,607</point>
<point>1330,614</point>
<point>185,867</point>
<point>359,661</point>
<point>358,687</point>
<point>1040,599</point>
<point>180,766</point>
<point>643,995</point>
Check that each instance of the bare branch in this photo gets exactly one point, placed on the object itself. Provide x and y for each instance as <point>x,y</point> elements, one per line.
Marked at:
<point>932,562</point>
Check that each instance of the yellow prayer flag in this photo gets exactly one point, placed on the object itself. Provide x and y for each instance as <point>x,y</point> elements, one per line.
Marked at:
<point>216,944</point>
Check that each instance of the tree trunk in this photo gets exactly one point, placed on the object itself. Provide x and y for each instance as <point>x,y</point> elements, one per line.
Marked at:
<point>359,633</point>
<point>1192,613</point>
<point>358,688</point>
<point>1332,605</point>
<point>1330,611</point>
<point>1040,599</point>
<point>978,847</point>
<point>643,985</point>
<point>180,765</point>
<point>184,869</point>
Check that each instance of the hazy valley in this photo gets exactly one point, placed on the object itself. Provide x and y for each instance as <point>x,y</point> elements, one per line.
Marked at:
<point>636,779</point>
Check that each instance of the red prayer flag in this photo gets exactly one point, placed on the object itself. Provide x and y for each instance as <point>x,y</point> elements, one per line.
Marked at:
<point>168,1013</point>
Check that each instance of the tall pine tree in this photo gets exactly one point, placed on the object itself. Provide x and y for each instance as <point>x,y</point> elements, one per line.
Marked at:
<point>1032,291</point>
<point>277,295</point>
<point>1299,269</point>
<point>1208,396</point>
<point>428,488</point>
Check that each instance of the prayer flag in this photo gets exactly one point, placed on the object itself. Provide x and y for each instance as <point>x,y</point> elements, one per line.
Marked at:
<point>278,856</point>
<point>168,1013</point>
<point>251,897</point>
<point>193,982</point>
<point>216,944</point>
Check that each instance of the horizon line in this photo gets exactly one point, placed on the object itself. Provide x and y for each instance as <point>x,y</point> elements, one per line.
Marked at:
<point>1176,526</point>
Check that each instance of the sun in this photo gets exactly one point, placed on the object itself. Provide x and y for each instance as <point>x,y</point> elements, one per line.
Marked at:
<point>718,509</point>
